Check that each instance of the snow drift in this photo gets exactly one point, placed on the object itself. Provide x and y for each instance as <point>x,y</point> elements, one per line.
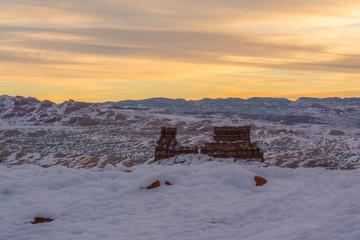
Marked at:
<point>207,201</point>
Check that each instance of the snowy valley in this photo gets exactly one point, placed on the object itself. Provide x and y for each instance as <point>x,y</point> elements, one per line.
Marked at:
<point>88,168</point>
<point>78,134</point>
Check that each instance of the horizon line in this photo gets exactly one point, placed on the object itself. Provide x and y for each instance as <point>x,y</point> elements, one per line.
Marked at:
<point>187,100</point>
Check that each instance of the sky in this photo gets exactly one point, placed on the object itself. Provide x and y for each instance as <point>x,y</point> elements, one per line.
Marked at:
<point>111,50</point>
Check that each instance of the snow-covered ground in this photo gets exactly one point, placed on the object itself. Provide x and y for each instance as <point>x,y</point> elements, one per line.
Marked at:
<point>207,201</point>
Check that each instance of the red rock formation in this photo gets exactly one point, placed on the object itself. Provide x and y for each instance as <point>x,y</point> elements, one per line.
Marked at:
<point>232,142</point>
<point>260,181</point>
<point>167,146</point>
<point>229,142</point>
<point>232,134</point>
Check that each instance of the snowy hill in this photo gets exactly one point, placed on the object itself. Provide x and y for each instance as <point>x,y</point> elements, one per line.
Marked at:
<point>85,135</point>
<point>334,111</point>
<point>208,201</point>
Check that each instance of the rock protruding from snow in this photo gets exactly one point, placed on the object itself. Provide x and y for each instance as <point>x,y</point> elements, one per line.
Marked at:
<point>154,185</point>
<point>38,220</point>
<point>260,181</point>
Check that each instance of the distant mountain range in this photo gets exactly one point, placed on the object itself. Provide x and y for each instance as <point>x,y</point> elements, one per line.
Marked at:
<point>333,111</point>
<point>304,110</point>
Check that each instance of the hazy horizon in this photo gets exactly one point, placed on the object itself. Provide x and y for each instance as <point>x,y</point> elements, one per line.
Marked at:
<point>70,99</point>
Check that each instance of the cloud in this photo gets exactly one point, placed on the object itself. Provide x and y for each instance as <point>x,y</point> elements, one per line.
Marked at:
<point>199,48</point>
<point>176,45</point>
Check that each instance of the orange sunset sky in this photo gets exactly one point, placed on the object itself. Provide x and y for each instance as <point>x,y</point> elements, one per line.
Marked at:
<point>111,50</point>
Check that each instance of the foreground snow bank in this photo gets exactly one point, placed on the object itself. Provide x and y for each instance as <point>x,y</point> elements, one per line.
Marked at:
<point>208,201</point>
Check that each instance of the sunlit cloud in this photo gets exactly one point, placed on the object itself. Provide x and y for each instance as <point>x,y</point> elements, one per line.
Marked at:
<point>114,50</point>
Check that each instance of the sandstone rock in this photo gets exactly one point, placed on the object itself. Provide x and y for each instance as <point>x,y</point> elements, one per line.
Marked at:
<point>167,146</point>
<point>232,142</point>
<point>231,134</point>
<point>260,181</point>
<point>168,183</point>
<point>41,220</point>
<point>154,185</point>
<point>334,132</point>
<point>228,142</point>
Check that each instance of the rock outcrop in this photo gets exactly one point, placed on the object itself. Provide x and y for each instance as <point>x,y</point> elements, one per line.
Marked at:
<point>228,142</point>
<point>167,146</point>
<point>232,142</point>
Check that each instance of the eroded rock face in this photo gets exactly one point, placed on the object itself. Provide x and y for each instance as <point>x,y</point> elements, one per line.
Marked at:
<point>228,142</point>
<point>232,142</point>
<point>167,146</point>
<point>232,134</point>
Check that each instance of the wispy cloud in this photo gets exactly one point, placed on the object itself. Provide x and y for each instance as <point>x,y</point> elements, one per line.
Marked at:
<point>200,48</point>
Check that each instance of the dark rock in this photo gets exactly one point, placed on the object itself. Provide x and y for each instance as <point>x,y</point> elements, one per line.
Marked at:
<point>41,220</point>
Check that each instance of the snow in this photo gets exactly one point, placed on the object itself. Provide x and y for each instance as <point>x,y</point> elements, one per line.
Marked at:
<point>215,200</point>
